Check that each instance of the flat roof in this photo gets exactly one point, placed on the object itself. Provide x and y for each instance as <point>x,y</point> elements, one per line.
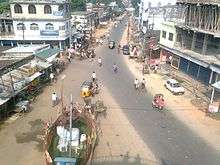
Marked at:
<point>212,2</point>
<point>25,49</point>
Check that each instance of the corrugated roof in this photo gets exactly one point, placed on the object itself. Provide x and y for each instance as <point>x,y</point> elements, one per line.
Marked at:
<point>44,54</point>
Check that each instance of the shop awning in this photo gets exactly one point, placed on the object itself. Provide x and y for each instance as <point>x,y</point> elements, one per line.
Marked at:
<point>48,54</point>
<point>34,76</point>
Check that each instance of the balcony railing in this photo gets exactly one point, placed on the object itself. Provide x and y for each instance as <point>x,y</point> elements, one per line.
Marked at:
<point>39,1</point>
<point>199,1</point>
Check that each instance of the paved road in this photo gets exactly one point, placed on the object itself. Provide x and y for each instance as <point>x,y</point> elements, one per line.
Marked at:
<point>169,139</point>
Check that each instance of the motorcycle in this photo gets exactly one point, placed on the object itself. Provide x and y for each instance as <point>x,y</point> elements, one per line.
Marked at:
<point>115,69</point>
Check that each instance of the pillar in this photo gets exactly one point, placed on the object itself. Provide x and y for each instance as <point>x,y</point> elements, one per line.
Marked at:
<point>210,79</point>
<point>212,96</point>
<point>12,44</point>
<point>204,46</point>
<point>193,41</point>
<point>60,45</point>
<point>1,43</point>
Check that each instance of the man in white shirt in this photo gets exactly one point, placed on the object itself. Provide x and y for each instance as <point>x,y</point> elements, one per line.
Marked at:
<point>51,77</point>
<point>54,99</point>
<point>136,83</point>
<point>93,76</point>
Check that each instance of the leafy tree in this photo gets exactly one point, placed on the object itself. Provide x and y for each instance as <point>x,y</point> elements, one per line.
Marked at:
<point>135,5</point>
<point>4,7</point>
<point>78,5</point>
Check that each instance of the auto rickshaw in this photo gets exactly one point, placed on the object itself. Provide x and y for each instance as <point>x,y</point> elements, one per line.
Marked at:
<point>86,89</point>
<point>158,101</point>
<point>145,69</point>
<point>111,44</point>
<point>89,88</point>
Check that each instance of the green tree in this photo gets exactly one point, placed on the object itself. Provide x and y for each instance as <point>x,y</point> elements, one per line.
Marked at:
<point>135,5</point>
<point>4,7</point>
<point>78,5</point>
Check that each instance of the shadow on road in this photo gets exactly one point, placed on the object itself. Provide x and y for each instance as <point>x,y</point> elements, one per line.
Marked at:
<point>34,135</point>
<point>125,159</point>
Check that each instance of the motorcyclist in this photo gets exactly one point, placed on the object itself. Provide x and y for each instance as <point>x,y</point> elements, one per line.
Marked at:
<point>100,61</point>
<point>115,68</point>
<point>143,82</point>
<point>136,83</point>
<point>93,76</point>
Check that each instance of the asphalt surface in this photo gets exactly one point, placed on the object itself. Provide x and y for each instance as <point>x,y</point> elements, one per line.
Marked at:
<point>168,138</point>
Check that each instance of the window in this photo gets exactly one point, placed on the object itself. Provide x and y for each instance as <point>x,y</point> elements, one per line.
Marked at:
<point>34,26</point>
<point>20,26</point>
<point>17,8</point>
<point>47,9</point>
<point>60,8</point>
<point>31,9</point>
<point>49,26</point>
<point>164,34</point>
<point>62,27</point>
<point>170,37</point>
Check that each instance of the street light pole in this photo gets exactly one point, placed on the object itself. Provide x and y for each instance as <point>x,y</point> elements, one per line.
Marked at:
<point>71,119</point>
<point>61,91</point>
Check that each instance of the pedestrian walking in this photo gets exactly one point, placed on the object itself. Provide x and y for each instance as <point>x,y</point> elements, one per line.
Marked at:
<point>69,57</point>
<point>119,48</point>
<point>51,77</point>
<point>93,76</point>
<point>54,99</point>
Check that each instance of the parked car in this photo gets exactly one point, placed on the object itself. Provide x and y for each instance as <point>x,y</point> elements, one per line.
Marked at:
<point>111,44</point>
<point>174,86</point>
<point>126,50</point>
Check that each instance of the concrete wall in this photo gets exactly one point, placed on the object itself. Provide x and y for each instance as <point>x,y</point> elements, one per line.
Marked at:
<point>36,34</point>
<point>168,27</point>
<point>39,12</point>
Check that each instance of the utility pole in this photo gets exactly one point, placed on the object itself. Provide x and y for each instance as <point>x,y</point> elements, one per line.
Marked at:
<point>71,119</point>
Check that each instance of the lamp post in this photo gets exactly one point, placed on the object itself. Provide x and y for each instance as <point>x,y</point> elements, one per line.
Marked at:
<point>61,91</point>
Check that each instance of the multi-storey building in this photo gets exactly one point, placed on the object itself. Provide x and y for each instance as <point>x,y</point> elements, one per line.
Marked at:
<point>39,21</point>
<point>193,39</point>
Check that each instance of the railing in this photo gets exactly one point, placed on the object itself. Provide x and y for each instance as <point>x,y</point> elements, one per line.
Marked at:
<point>199,1</point>
<point>39,1</point>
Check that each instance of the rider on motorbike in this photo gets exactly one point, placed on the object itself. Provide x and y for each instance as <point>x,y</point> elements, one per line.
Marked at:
<point>136,83</point>
<point>115,68</point>
<point>100,61</point>
<point>143,82</point>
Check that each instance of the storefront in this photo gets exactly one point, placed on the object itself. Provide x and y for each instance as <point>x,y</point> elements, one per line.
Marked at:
<point>198,70</point>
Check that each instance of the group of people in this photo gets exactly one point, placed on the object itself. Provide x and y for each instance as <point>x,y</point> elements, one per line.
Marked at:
<point>138,84</point>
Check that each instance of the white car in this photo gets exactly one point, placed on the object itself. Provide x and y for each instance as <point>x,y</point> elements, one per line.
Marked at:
<point>174,86</point>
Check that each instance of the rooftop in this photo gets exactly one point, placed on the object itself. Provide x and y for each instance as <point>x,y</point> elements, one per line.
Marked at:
<point>81,13</point>
<point>214,2</point>
<point>25,49</point>
<point>40,1</point>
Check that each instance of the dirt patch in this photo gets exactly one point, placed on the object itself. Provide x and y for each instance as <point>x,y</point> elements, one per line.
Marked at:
<point>34,135</point>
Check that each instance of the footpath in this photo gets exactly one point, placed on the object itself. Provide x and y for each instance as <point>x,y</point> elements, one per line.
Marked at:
<point>181,106</point>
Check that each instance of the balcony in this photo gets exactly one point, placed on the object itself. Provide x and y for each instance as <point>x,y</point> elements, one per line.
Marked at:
<point>199,1</point>
<point>40,1</point>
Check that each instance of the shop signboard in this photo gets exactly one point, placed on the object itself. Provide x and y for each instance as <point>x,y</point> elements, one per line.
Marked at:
<point>49,33</point>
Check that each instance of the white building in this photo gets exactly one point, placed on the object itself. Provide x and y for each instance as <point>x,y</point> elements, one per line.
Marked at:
<point>42,21</point>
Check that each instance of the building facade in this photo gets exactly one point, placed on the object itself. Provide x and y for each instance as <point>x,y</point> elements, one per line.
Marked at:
<point>195,46</point>
<point>44,21</point>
